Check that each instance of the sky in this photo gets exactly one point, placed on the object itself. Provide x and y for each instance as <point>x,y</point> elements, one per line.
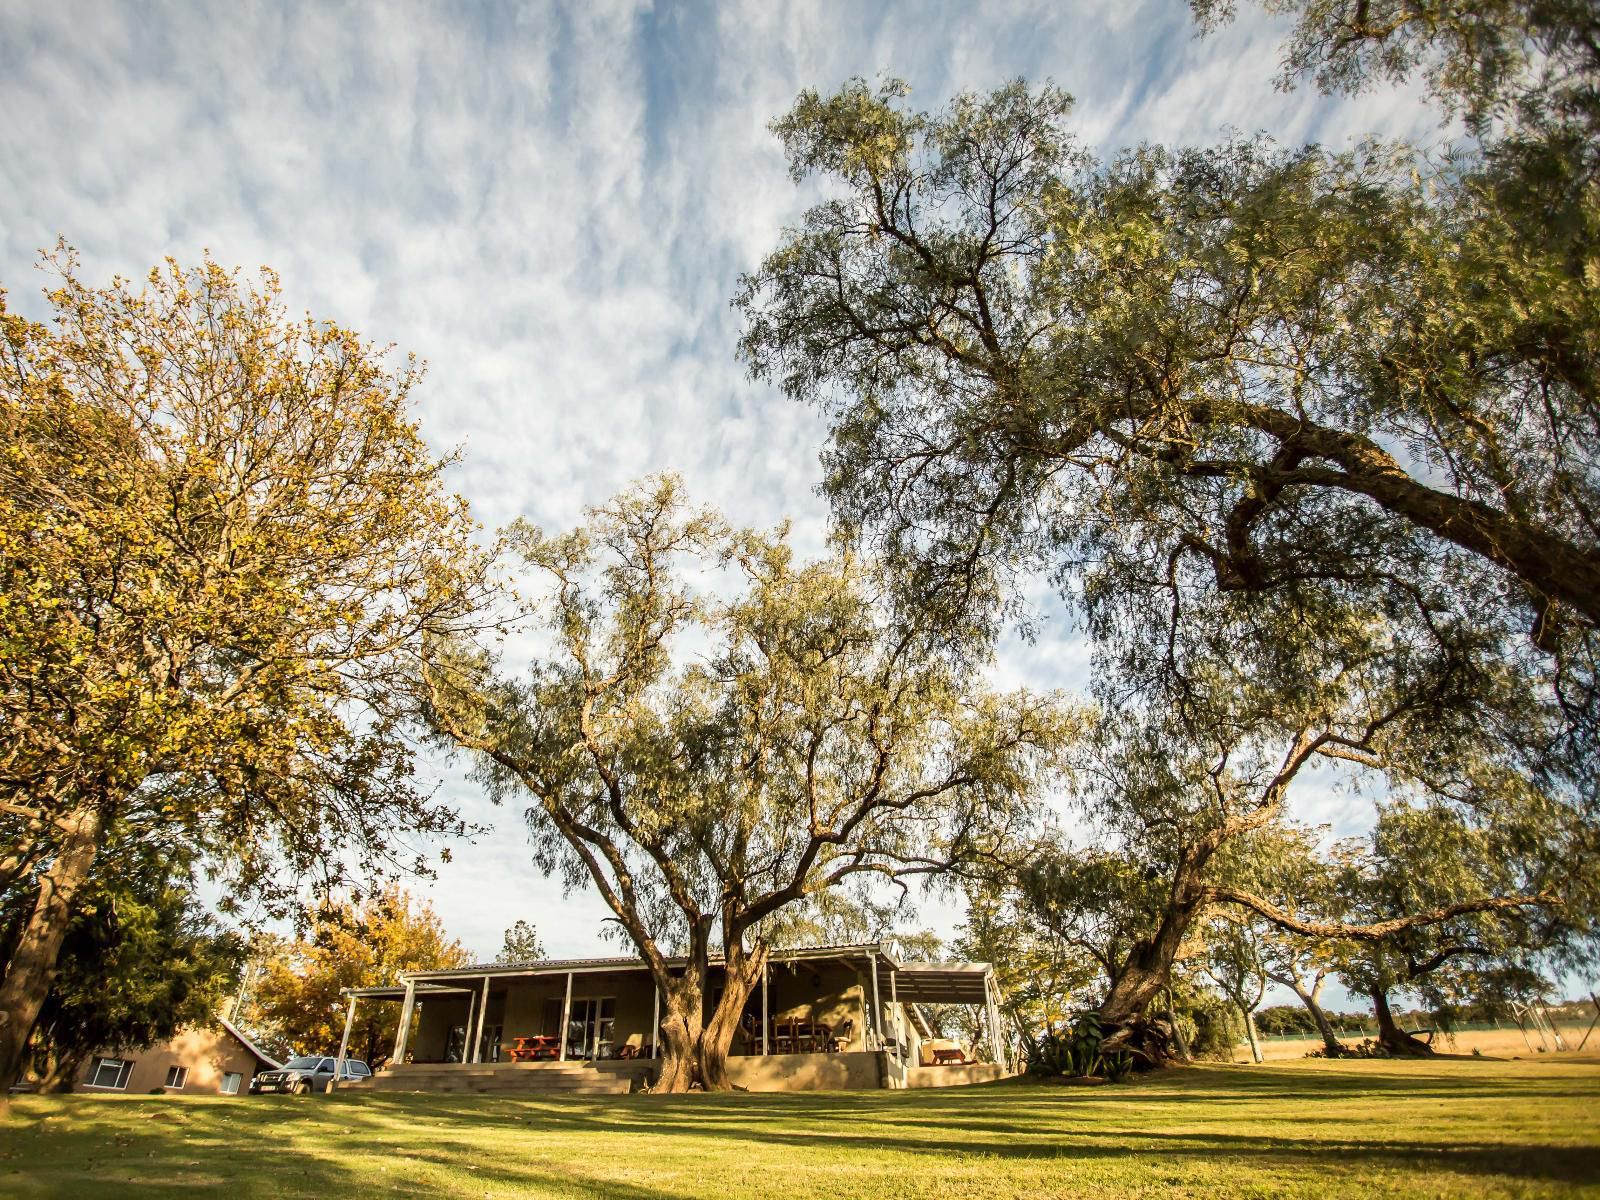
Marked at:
<point>551,204</point>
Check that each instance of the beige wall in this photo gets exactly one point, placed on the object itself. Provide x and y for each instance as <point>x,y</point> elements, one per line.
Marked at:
<point>807,1072</point>
<point>933,1077</point>
<point>207,1053</point>
<point>828,992</point>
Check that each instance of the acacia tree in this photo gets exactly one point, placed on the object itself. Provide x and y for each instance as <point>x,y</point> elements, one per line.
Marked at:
<point>1418,854</point>
<point>221,536</point>
<point>1287,868</point>
<point>1313,430</point>
<point>817,741</point>
<point>1234,963</point>
<point>1266,358</point>
<point>298,1001</point>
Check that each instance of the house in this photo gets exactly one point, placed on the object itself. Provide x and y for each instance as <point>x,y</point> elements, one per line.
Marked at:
<point>195,1061</point>
<point>825,1017</point>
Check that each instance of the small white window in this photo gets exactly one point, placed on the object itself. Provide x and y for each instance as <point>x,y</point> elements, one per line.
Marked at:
<point>230,1083</point>
<point>177,1077</point>
<point>110,1073</point>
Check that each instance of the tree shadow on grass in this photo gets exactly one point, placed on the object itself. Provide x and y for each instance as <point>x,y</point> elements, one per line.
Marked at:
<point>1035,1124</point>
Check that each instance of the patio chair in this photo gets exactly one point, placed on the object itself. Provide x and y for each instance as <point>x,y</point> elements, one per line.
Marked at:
<point>840,1041</point>
<point>631,1047</point>
<point>783,1038</point>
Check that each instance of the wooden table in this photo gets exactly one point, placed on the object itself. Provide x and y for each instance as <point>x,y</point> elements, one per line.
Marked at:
<point>949,1058</point>
<point>530,1049</point>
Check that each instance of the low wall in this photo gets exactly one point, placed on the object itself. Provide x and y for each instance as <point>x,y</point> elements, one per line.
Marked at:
<point>806,1072</point>
<point>933,1077</point>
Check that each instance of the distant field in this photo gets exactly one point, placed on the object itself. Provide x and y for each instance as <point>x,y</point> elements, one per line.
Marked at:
<point>1500,1043</point>
<point>1453,1127</point>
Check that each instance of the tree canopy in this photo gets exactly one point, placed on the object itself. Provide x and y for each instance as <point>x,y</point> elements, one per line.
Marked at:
<point>221,537</point>
<point>297,1003</point>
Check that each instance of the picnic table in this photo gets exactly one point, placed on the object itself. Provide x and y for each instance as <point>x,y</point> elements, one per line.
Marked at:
<point>949,1058</point>
<point>530,1049</point>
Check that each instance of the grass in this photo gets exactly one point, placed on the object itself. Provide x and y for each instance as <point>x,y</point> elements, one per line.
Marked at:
<point>1449,1127</point>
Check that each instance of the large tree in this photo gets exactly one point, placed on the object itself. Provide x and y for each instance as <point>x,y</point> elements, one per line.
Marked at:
<point>298,1002</point>
<point>221,536</point>
<point>707,757</point>
<point>1309,441</point>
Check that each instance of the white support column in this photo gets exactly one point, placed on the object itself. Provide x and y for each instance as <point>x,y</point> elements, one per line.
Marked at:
<point>992,1004</point>
<point>344,1042</point>
<point>894,1007</point>
<point>477,1034</point>
<point>766,1009</point>
<point>655,1020</point>
<point>566,1016</point>
<point>405,1022</point>
<point>877,1005</point>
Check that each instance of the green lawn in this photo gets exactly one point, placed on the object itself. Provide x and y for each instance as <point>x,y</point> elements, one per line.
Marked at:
<point>1461,1127</point>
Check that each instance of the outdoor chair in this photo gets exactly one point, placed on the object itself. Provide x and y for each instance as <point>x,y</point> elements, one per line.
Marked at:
<point>840,1041</point>
<point>631,1047</point>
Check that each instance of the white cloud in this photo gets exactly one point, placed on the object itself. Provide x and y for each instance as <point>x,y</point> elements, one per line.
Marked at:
<point>551,204</point>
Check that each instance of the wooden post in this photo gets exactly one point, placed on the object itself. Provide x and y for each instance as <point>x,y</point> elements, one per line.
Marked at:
<point>477,1034</point>
<point>877,1005</point>
<point>655,1020</point>
<point>766,1026</point>
<point>894,1007</point>
<point>344,1042</point>
<point>566,1016</point>
<point>405,1022</point>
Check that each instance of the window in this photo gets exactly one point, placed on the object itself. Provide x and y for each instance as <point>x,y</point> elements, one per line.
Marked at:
<point>230,1083</point>
<point>110,1073</point>
<point>176,1078</point>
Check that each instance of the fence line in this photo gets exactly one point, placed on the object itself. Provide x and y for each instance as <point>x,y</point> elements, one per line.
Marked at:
<point>1371,1030</point>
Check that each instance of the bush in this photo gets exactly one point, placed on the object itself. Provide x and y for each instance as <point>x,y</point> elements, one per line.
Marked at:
<point>1076,1052</point>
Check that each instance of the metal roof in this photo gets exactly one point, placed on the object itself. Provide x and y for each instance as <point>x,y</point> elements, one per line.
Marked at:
<point>936,983</point>
<point>560,966</point>
<point>926,983</point>
<point>249,1045</point>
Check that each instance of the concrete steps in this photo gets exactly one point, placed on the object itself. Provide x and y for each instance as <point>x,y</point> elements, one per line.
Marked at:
<point>540,1078</point>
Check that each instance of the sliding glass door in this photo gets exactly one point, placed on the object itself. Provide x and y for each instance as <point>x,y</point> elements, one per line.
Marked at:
<point>591,1027</point>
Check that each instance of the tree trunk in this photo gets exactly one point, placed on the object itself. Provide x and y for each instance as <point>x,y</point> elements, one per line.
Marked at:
<point>1177,1028</point>
<point>1390,1036</point>
<point>1250,1030</point>
<point>743,971</point>
<point>64,1072</point>
<point>33,962</point>
<point>1148,966</point>
<point>682,1026</point>
<point>1331,1044</point>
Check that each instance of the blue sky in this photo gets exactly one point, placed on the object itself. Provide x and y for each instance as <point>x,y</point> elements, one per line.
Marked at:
<point>551,204</point>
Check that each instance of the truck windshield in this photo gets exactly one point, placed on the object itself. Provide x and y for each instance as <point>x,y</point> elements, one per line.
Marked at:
<point>301,1064</point>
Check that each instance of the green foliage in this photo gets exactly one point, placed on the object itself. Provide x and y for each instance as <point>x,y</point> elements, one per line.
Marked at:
<point>521,945</point>
<point>298,1004</point>
<point>719,734</point>
<point>142,959</point>
<point>1307,439</point>
<point>1217,1026</point>
<point>1076,1051</point>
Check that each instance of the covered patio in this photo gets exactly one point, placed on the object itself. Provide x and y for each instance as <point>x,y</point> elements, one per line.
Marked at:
<point>825,1017</point>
